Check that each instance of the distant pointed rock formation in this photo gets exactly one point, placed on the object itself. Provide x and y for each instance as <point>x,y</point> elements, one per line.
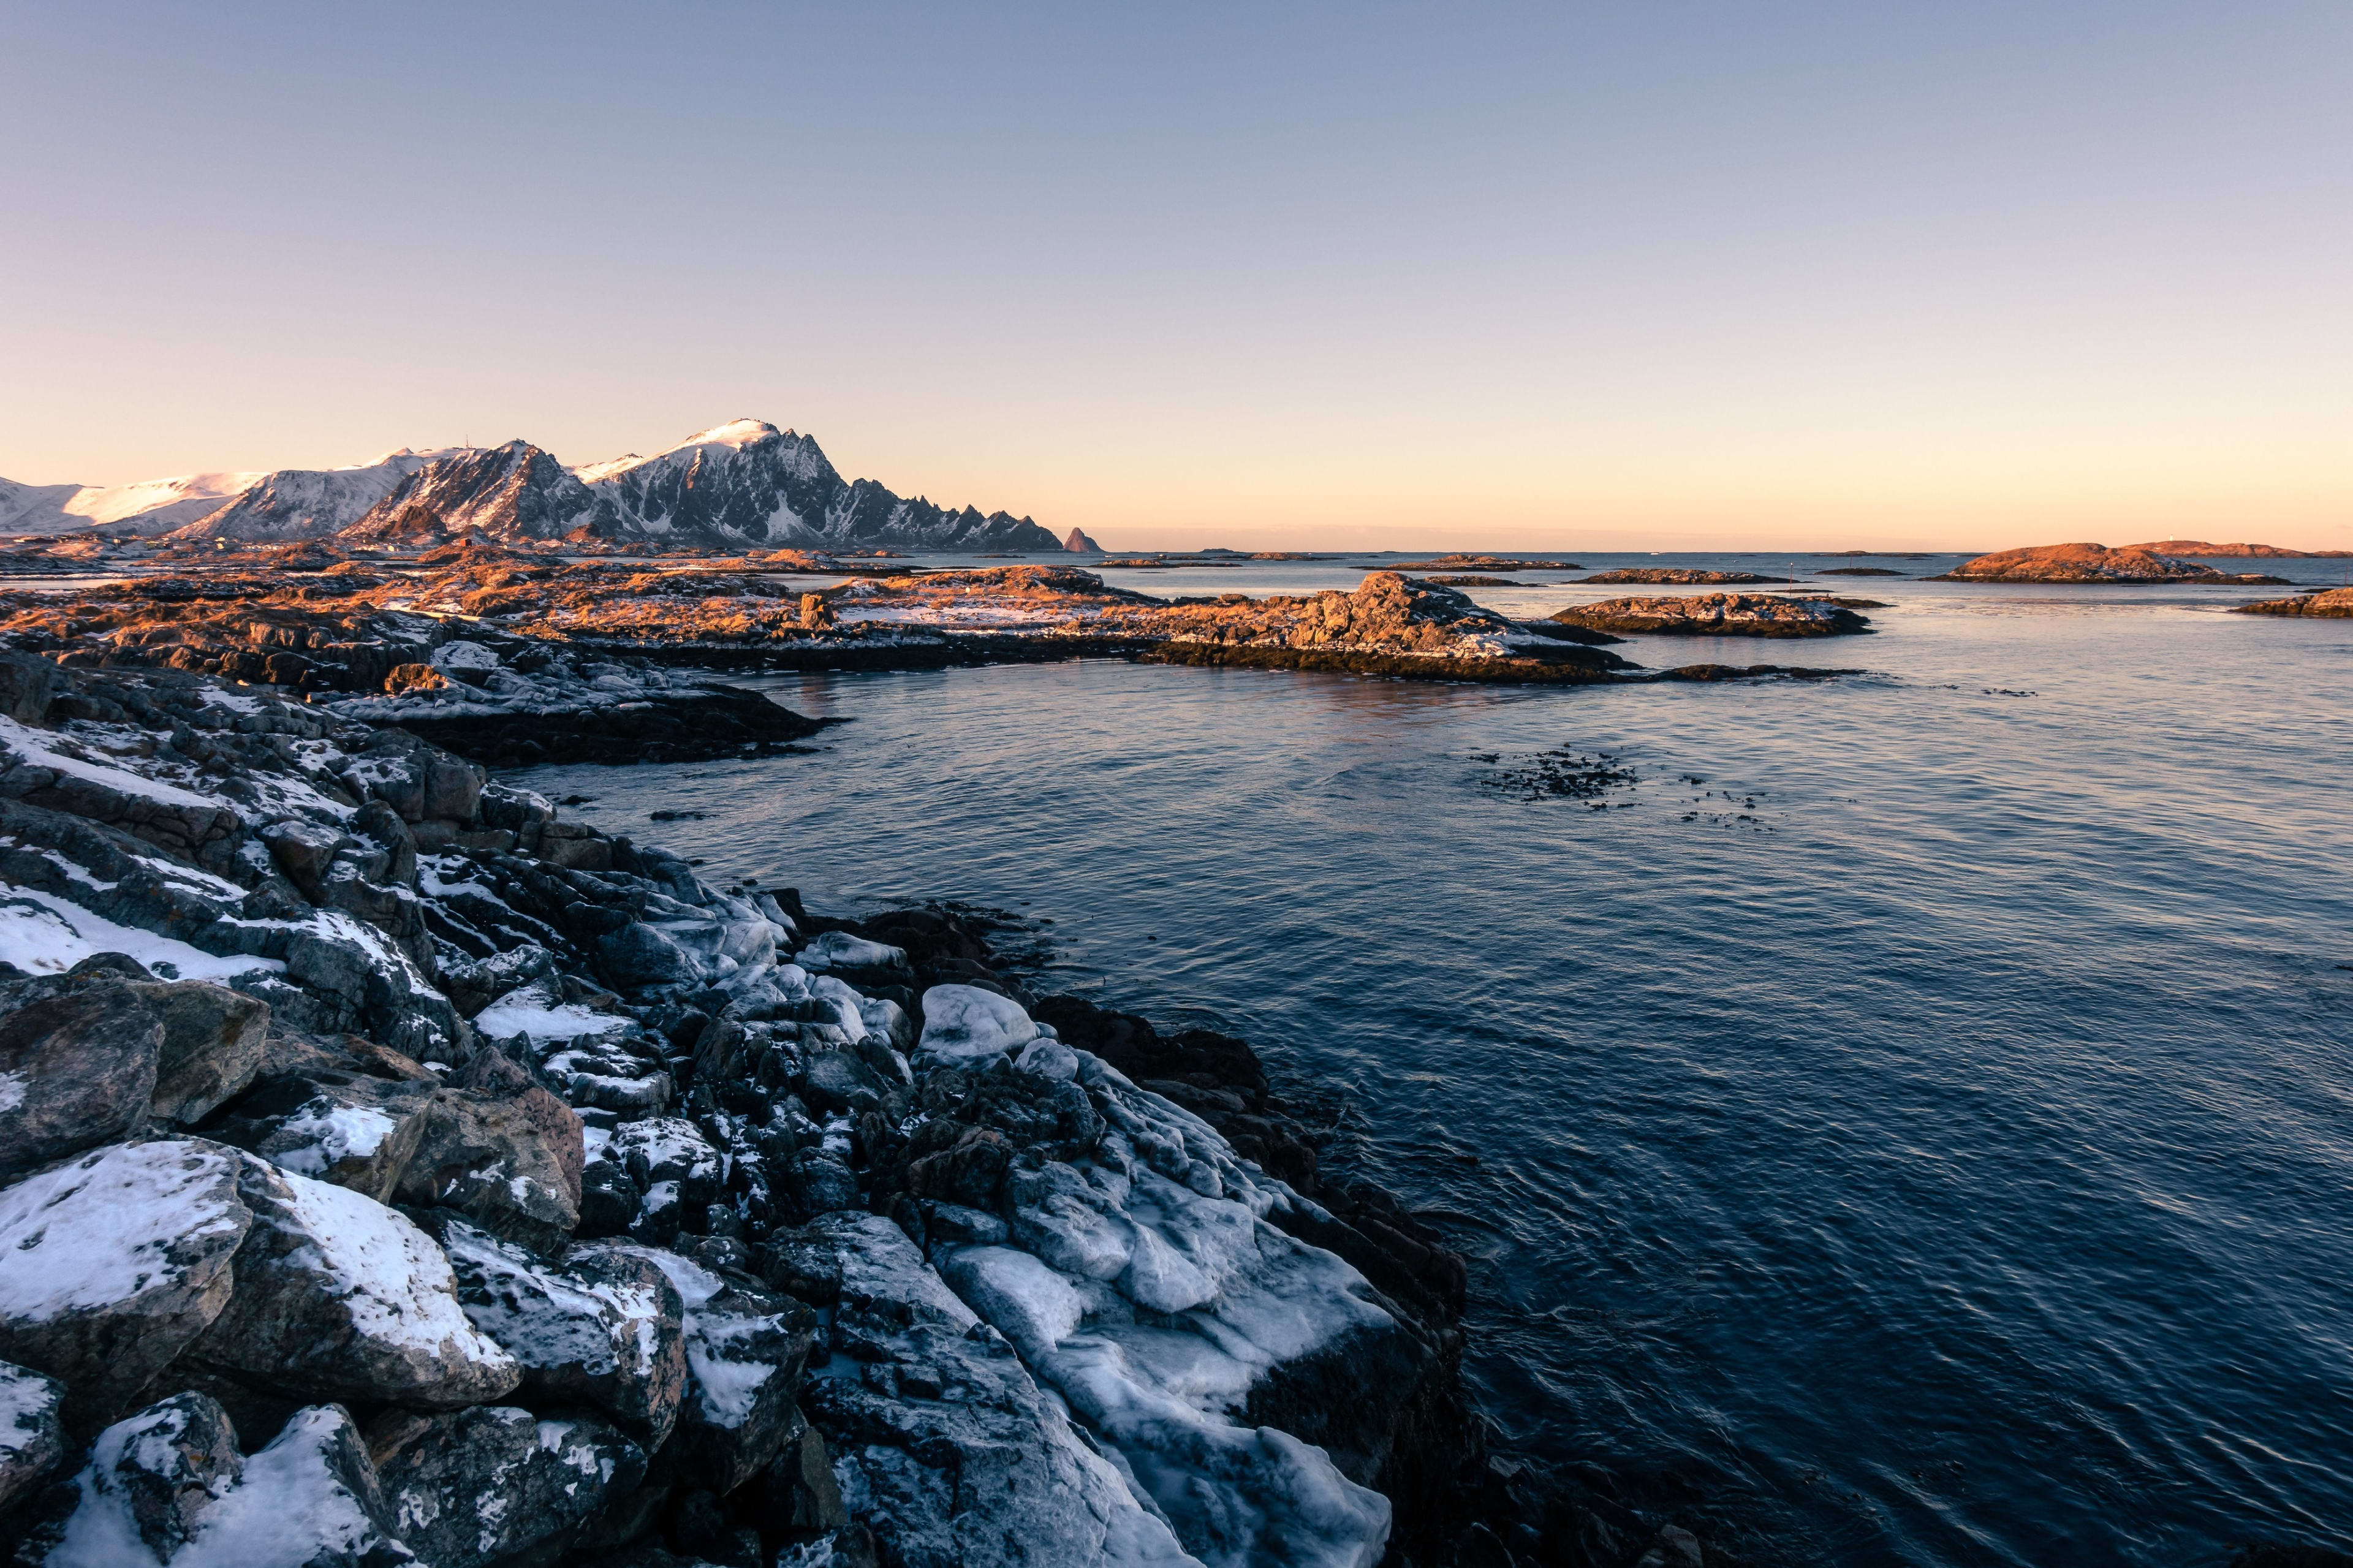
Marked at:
<point>1077,543</point>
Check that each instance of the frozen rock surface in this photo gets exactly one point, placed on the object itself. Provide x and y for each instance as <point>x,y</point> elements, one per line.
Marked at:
<point>32,1431</point>
<point>469,1488</point>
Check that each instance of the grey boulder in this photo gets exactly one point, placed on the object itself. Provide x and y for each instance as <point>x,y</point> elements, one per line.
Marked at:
<point>606,1328</point>
<point>338,1297</point>
<point>353,1131</point>
<point>212,1046</point>
<point>473,1487</point>
<point>77,1070</point>
<point>510,1162</point>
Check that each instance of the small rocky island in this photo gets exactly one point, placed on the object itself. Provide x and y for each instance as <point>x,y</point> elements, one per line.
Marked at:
<point>2131,564</point>
<point>1684,576</point>
<point>1719,615</point>
<point>395,1170</point>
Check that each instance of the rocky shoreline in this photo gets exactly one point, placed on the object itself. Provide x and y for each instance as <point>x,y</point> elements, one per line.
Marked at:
<point>397,1171</point>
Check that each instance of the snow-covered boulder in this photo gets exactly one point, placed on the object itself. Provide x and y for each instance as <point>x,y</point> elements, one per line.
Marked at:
<point>744,1352</point>
<point>357,1133</point>
<point>965,1024</point>
<point>338,1297</point>
<point>115,1262</point>
<point>471,1488</point>
<point>77,1070</point>
<point>604,1328</point>
<point>166,1489</point>
<point>32,1431</point>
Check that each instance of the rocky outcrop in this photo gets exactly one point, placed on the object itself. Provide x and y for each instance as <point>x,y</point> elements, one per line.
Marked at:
<point>1078,543</point>
<point>2330,603</point>
<point>2206,549</point>
<point>1717,616</point>
<point>1684,575</point>
<point>2091,563</point>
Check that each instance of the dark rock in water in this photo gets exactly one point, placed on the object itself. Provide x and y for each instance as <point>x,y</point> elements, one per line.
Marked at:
<point>1857,572</point>
<point>77,1068</point>
<point>117,1261</point>
<point>1559,775</point>
<point>604,1328</point>
<point>723,722</point>
<point>32,1432</point>
<point>475,1486</point>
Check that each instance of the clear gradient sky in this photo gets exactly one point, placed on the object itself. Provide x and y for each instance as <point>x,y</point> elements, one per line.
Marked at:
<point>1654,275</point>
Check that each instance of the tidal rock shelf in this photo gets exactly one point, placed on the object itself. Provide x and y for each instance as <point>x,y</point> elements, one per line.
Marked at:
<point>393,1171</point>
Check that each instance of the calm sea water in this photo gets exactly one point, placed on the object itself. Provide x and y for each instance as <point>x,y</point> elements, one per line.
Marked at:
<point>1922,1104</point>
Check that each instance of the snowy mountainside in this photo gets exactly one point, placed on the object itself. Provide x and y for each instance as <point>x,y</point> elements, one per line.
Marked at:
<point>307,503</point>
<point>515,492</point>
<point>150,506</point>
<point>747,482</point>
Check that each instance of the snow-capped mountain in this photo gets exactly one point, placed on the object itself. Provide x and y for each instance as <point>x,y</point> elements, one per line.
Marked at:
<point>740,485</point>
<point>307,503</point>
<point>515,492</point>
<point>152,506</point>
<point>748,483</point>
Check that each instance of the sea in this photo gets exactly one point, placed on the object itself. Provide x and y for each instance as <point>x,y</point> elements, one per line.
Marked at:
<point>1911,1112</point>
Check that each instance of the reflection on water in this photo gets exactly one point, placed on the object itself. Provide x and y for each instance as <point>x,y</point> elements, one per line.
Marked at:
<point>1956,1154</point>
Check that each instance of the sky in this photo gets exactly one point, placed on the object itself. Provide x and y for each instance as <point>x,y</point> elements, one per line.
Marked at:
<point>1674,274</point>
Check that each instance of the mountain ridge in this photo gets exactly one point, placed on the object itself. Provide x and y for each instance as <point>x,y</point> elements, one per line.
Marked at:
<point>736,485</point>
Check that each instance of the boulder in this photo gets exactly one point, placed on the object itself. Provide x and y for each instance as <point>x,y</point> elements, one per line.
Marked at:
<point>32,1431</point>
<point>116,1262</point>
<point>302,851</point>
<point>357,1133</point>
<point>509,1163</point>
<point>167,1485</point>
<point>964,1025</point>
<point>941,1440</point>
<point>469,1488</point>
<point>838,1081</point>
<point>338,1297</point>
<point>744,1352</point>
<point>212,1046</point>
<point>77,1068</point>
<point>669,1149</point>
<point>605,1329</point>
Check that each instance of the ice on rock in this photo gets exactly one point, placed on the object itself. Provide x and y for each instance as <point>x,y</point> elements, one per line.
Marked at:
<point>43,934</point>
<point>1049,1060</point>
<point>839,950</point>
<point>962,1023</point>
<point>846,1005</point>
<point>535,1010</point>
<point>1019,1297</point>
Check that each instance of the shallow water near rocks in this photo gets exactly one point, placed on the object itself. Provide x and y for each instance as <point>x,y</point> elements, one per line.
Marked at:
<point>1932,1129</point>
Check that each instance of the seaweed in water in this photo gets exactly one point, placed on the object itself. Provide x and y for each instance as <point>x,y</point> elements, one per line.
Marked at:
<point>1558,775</point>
